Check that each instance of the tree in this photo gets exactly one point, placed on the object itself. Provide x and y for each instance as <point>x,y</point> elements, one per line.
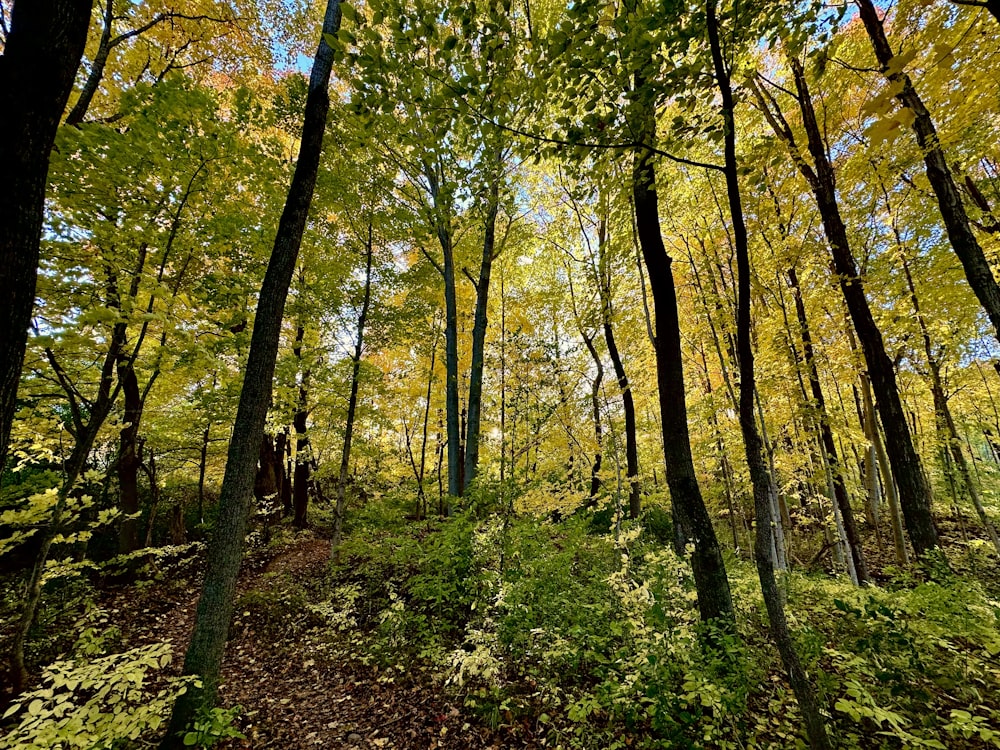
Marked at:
<point>762,482</point>
<point>949,199</point>
<point>41,54</point>
<point>906,469</point>
<point>204,655</point>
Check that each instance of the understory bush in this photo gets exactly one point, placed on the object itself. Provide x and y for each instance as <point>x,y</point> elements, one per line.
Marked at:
<point>95,700</point>
<point>595,641</point>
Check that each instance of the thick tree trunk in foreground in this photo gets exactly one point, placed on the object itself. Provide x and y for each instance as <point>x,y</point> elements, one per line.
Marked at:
<point>42,52</point>
<point>805,694</point>
<point>225,552</point>
<point>714,597</point>
<point>956,221</point>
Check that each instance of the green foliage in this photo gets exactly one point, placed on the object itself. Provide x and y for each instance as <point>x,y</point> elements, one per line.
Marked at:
<point>96,702</point>
<point>212,726</point>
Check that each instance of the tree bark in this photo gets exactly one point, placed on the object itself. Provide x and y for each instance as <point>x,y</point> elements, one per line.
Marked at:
<point>479,335</point>
<point>956,221</point>
<point>215,607</point>
<point>822,421</point>
<point>352,402</point>
<point>906,469</point>
<point>690,514</point>
<point>41,54</point>
<point>762,486</point>
<point>303,464</point>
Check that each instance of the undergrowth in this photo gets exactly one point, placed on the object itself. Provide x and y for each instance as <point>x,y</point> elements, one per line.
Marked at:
<point>594,642</point>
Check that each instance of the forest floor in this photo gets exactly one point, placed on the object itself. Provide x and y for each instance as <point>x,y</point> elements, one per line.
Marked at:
<point>293,689</point>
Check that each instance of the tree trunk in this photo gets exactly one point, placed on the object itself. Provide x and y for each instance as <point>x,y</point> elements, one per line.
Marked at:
<point>906,469</point>
<point>956,221</point>
<point>352,403</point>
<point>479,337</point>
<point>628,403</point>
<point>97,65</point>
<point>441,209</point>
<point>303,464</point>
<point>822,421</point>
<point>946,422</point>
<point>40,57</point>
<point>595,410</point>
<point>215,607</point>
<point>689,511</point>
<point>128,461</point>
<point>797,677</point>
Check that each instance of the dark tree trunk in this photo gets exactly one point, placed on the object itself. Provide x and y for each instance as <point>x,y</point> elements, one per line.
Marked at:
<point>303,463</point>
<point>689,511</point>
<point>352,401</point>
<point>956,221</point>
<point>441,208</point>
<point>265,483</point>
<point>595,409</point>
<point>215,607</point>
<point>41,54</point>
<point>826,434</point>
<point>128,460</point>
<point>93,82</point>
<point>906,469</point>
<point>804,693</point>
<point>628,403</point>
<point>479,337</point>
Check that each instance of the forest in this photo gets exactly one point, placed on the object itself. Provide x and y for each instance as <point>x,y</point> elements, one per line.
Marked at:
<point>598,374</point>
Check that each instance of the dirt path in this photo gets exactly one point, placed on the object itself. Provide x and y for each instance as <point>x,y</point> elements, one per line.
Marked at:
<point>292,692</point>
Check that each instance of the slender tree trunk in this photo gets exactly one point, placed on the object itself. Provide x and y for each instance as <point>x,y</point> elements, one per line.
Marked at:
<point>797,677</point>
<point>690,514</point>
<point>956,221</point>
<point>128,461</point>
<point>215,607</point>
<point>906,469</point>
<point>352,402</point>
<point>822,420</point>
<point>202,466</point>
<point>93,82</point>
<point>441,209</point>
<point>479,335</point>
<point>595,411</point>
<point>946,422</point>
<point>303,464</point>
<point>628,403</point>
<point>421,497</point>
<point>41,54</point>
<point>85,433</point>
